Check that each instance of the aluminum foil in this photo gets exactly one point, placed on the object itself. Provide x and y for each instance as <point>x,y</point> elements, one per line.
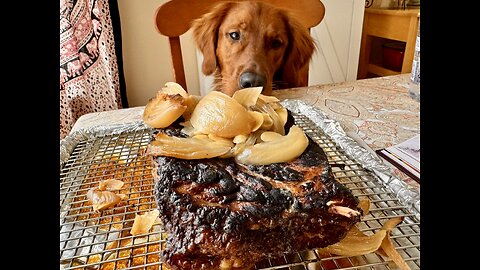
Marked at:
<point>406,194</point>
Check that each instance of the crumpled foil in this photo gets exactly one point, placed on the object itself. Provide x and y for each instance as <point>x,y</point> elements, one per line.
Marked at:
<point>406,194</point>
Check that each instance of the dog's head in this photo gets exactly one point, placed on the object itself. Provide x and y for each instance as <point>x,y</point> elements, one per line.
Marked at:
<point>248,44</point>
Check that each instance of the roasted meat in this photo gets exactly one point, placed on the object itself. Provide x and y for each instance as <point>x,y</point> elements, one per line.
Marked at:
<point>219,214</point>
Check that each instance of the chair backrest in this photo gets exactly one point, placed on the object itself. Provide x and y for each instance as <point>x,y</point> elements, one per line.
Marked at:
<point>174,18</point>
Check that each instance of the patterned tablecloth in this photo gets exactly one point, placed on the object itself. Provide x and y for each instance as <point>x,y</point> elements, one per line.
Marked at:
<point>379,111</point>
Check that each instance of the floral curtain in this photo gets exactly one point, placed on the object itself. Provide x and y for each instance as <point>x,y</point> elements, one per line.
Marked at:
<point>89,74</point>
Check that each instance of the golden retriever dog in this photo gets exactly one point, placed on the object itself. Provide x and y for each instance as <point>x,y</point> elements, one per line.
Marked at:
<point>249,44</point>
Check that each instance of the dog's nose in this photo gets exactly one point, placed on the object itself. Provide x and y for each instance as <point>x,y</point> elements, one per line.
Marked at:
<point>250,79</point>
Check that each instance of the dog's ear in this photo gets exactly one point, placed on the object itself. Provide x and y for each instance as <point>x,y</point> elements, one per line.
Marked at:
<point>299,52</point>
<point>205,34</point>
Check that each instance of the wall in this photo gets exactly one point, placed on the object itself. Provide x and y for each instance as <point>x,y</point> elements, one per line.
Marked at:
<point>338,38</point>
<point>147,63</point>
<point>146,53</point>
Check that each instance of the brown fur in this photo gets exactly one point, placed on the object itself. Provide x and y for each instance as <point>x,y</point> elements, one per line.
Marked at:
<point>271,43</point>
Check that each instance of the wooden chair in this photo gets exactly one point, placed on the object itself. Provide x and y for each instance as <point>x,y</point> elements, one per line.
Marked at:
<point>174,18</point>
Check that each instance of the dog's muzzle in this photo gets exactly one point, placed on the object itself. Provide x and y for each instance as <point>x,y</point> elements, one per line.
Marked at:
<point>250,79</point>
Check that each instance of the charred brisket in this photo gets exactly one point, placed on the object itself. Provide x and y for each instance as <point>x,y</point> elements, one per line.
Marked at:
<point>220,213</point>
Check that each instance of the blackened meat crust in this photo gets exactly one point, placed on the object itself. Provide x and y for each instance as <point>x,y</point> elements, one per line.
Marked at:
<point>217,212</point>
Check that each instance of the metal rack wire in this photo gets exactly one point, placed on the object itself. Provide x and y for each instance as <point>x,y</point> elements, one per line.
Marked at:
<point>102,240</point>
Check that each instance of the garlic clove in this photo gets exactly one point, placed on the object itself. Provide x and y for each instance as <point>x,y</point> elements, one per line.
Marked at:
<point>269,136</point>
<point>240,138</point>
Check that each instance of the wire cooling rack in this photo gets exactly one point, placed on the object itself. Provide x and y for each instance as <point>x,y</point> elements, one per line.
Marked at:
<point>102,240</point>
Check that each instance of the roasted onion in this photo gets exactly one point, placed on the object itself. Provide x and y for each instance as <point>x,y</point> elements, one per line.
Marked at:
<point>171,102</point>
<point>364,204</point>
<point>388,247</point>
<point>162,110</point>
<point>278,121</point>
<point>144,222</point>
<point>196,147</point>
<point>269,136</point>
<point>247,96</point>
<point>191,102</point>
<point>356,243</point>
<point>103,199</point>
<point>234,126</point>
<point>281,149</point>
<point>221,115</point>
<point>173,88</point>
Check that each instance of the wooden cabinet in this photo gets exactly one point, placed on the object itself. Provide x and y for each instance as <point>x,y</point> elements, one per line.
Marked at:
<point>386,25</point>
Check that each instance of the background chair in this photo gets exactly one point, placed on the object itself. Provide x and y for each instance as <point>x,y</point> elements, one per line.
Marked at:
<point>174,18</point>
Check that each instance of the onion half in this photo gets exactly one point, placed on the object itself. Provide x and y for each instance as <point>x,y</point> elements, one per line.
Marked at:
<point>221,115</point>
<point>162,110</point>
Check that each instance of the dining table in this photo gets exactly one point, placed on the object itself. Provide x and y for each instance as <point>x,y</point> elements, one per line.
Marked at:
<point>375,112</point>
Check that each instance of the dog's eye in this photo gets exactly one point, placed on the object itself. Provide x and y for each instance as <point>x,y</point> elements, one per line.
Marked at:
<point>276,43</point>
<point>234,35</point>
